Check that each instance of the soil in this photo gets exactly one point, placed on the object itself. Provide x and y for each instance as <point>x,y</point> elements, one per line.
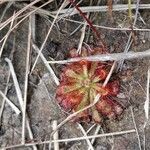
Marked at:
<point>42,107</point>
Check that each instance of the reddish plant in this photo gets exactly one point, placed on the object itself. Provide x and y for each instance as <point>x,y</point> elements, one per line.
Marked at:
<point>81,81</point>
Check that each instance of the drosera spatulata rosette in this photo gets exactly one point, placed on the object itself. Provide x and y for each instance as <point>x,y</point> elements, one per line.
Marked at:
<point>81,81</point>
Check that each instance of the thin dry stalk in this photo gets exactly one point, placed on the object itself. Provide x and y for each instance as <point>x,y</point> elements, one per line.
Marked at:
<point>7,35</point>
<point>82,37</point>
<point>4,24</point>
<point>26,17</point>
<point>40,11</point>
<point>4,100</point>
<point>137,133</point>
<point>48,13</point>
<point>30,133</point>
<point>95,133</point>
<point>19,95</point>
<point>127,47</point>
<point>109,74</point>
<point>109,28</point>
<point>26,82</point>
<point>55,136</point>
<point>83,33</point>
<point>129,42</point>
<point>146,108</point>
<point>144,139</point>
<point>137,82</point>
<point>17,111</point>
<point>121,7</point>
<point>54,123</point>
<point>18,90</point>
<point>146,105</point>
<point>90,128</point>
<point>87,140</point>
<point>5,10</point>
<point>129,10</point>
<point>76,113</point>
<point>107,57</point>
<point>46,64</point>
<point>49,31</point>
<point>83,30</point>
<point>8,78</point>
<point>74,31</point>
<point>75,139</point>
<point>141,18</point>
<point>33,28</point>
<point>13,0</point>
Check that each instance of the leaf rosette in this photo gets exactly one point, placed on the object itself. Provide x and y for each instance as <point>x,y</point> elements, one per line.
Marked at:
<point>81,81</point>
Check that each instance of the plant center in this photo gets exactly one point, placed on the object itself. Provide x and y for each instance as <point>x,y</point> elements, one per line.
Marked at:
<point>86,82</point>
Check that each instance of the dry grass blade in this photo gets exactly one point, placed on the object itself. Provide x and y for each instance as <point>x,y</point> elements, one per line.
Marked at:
<point>46,64</point>
<point>76,113</point>
<point>95,133</point>
<point>17,111</point>
<point>83,32</point>
<point>95,136</point>
<point>122,7</point>
<point>108,28</point>
<point>19,95</point>
<point>90,128</point>
<point>4,100</point>
<point>87,140</point>
<point>8,79</point>
<point>81,37</point>
<point>18,90</point>
<point>47,13</point>
<point>13,0</point>
<point>2,25</point>
<point>107,57</point>
<point>75,139</point>
<point>146,105</point>
<point>30,133</point>
<point>137,133</point>
<point>7,35</point>
<point>129,10</point>
<point>49,31</point>
<point>26,83</point>
<point>109,74</point>
<point>30,13</point>
<point>130,40</point>
<point>55,137</point>
<point>5,10</point>
<point>33,26</point>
